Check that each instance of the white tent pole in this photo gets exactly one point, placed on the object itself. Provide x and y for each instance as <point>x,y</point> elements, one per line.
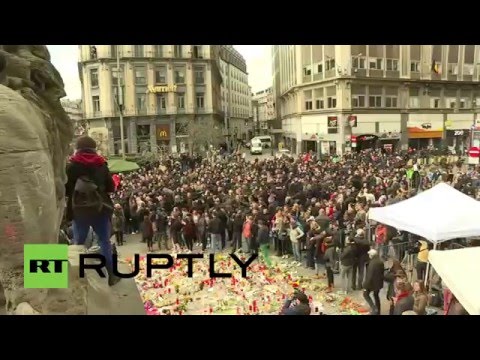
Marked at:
<point>427,272</point>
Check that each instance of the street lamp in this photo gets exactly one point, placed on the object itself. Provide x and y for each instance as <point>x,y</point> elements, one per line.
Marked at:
<point>120,103</point>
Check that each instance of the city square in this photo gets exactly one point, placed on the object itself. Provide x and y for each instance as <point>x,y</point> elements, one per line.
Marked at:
<point>347,174</point>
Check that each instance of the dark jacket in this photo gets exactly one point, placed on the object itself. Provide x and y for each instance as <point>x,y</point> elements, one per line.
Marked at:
<point>262,235</point>
<point>374,276</point>
<point>348,256</point>
<point>238,224</point>
<point>300,309</point>
<point>215,226</point>
<point>89,163</point>
<point>329,256</point>
<point>118,220</point>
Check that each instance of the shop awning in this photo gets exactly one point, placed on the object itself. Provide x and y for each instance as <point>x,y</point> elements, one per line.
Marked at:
<point>419,133</point>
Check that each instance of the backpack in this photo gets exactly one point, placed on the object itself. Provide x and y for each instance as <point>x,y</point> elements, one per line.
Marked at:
<point>86,199</point>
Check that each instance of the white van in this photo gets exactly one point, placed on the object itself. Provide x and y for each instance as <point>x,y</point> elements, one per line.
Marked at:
<point>256,147</point>
<point>265,140</point>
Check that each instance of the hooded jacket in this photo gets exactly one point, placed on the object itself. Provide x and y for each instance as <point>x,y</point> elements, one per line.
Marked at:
<point>87,162</point>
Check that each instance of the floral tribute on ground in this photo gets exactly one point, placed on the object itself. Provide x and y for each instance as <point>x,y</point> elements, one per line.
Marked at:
<point>263,292</point>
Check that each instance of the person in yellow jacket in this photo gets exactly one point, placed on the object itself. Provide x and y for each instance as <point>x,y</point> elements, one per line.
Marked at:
<point>422,260</point>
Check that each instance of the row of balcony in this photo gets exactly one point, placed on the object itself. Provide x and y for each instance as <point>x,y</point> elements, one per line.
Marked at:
<point>150,111</point>
<point>111,52</point>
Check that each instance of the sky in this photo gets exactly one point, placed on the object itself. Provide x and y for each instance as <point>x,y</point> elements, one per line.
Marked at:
<point>65,58</point>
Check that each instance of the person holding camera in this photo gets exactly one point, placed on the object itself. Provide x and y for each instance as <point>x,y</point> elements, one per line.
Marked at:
<point>297,305</point>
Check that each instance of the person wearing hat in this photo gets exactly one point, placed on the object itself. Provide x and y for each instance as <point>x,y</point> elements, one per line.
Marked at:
<point>89,204</point>
<point>297,305</point>
<point>373,281</point>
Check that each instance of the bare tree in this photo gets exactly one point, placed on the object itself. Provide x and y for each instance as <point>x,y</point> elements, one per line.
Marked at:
<point>155,152</point>
<point>202,134</point>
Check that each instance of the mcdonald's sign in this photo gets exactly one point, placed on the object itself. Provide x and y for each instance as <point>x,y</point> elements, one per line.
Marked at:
<point>163,132</point>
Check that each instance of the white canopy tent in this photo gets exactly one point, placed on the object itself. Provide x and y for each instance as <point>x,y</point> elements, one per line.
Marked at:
<point>438,214</point>
<point>460,270</point>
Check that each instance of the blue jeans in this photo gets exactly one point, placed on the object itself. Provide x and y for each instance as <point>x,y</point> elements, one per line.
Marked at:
<point>296,251</point>
<point>101,227</point>
<point>215,243</point>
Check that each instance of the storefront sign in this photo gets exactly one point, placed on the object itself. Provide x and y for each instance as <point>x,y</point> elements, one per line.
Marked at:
<point>161,89</point>
<point>367,137</point>
<point>352,120</point>
<point>458,132</point>
<point>163,132</point>
<point>332,122</point>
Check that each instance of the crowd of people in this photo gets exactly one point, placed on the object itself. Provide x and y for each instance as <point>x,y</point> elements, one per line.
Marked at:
<point>312,210</point>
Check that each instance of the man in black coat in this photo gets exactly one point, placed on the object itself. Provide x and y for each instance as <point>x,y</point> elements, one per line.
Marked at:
<point>86,163</point>
<point>373,281</point>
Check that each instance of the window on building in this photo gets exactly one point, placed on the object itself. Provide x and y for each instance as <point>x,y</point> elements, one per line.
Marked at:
<point>116,74</point>
<point>308,105</point>
<point>435,103</point>
<point>160,75</point>
<point>139,50</point>
<point>452,103</point>
<point>307,71</point>
<point>94,77</point>
<point>358,62</point>
<point>320,68</point>
<point>199,75</point>
<point>468,69</point>
<point>161,102</point>
<point>96,104</point>
<point>392,64</point>
<point>197,52</point>
<point>178,51</point>
<point>319,104</point>
<point>331,102</point>
<point>141,101</point>
<point>329,64</point>
<point>200,100</point>
<point>93,52</point>
<point>415,66</point>
<point>375,64</point>
<point>414,102</point>
<point>140,75</point>
<point>180,100</point>
<point>358,101</point>
<point>462,104</point>
<point>113,51</point>
<point>391,101</point>
<point>158,50</point>
<point>375,101</point>
<point>179,75</point>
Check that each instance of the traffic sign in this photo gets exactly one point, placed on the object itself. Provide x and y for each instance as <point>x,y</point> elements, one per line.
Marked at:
<point>474,152</point>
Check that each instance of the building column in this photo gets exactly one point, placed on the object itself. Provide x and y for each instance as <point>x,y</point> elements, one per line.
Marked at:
<point>173,135</point>
<point>132,137</point>
<point>153,136</point>
<point>404,130</point>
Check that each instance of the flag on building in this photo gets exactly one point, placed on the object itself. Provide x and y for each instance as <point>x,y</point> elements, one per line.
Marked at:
<point>436,67</point>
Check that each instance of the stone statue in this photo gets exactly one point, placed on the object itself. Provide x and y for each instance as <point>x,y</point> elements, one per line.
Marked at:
<point>35,133</point>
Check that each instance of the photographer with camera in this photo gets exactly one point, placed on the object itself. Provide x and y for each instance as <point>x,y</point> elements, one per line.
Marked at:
<point>296,305</point>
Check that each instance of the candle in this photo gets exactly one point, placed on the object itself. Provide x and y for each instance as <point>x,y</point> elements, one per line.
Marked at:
<point>177,301</point>
<point>250,308</point>
<point>169,290</point>
<point>210,310</point>
<point>180,312</point>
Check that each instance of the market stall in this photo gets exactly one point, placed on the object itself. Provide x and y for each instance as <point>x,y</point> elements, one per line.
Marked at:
<point>460,271</point>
